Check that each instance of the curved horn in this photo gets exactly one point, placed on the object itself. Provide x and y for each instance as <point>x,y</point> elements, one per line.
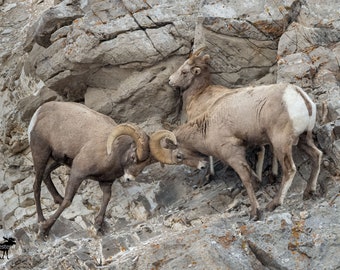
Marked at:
<point>198,51</point>
<point>139,136</point>
<point>160,153</point>
<point>195,54</point>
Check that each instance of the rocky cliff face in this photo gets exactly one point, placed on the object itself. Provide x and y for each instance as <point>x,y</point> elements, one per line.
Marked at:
<point>116,57</point>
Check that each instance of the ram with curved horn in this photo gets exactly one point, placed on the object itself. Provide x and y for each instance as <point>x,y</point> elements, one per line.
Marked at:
<point>281,115</point>
<point>167,153</point>
<point>91,144</point>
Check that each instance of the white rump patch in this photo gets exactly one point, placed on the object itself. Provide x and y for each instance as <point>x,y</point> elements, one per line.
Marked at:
<point>298,111</point>
<point>32,124</point>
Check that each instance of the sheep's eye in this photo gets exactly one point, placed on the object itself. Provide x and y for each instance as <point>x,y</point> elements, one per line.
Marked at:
<point>184,72</point>
<point>179,157</point>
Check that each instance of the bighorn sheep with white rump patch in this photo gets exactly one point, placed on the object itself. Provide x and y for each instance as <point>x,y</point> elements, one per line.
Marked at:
<point>281,115</point>
<point>194,79</point>
<point>92,144</point>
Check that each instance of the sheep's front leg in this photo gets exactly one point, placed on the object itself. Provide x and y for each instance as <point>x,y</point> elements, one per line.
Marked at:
<point>52,165</point>
<point>106,189</point>
<point>70,190</point>
<point>284,155</point>
<point>58,199</point>
<point>238,162</point>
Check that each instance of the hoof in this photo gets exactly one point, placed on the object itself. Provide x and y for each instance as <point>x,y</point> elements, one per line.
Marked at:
<point>42,233</point>
<point>203,181</point>
<point>100,228</point>
<point>58,200</point>
<point>41,220</point>
<point>257,216</point>
<point>272,178</point>
<point>271,206</point>
<point>97,226</point>
<point>100,231</point>
<point>307,195</point>
<point>256,185</point>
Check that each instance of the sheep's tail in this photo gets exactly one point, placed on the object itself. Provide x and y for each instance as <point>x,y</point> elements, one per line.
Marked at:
<point>301,109</point>
<point>311,107</point>
<point>32,124</point>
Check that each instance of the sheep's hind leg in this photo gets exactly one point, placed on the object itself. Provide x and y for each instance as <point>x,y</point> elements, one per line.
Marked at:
<point>106,188</point>
<point>306,144</point>
<point>40,163</point>
<point>288,172</point>
<point>37,196</point>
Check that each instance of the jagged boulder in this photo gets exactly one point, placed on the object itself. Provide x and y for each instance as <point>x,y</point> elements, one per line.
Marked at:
<point>52,19</point>
<point>243,39</point>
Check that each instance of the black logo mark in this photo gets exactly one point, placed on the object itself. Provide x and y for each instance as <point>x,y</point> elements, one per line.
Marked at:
<point>5,246</point>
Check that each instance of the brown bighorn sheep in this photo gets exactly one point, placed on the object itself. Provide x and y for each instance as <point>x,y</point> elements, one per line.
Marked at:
<point>194,79</point>
<point>281,115</point>
<point>92,144</point>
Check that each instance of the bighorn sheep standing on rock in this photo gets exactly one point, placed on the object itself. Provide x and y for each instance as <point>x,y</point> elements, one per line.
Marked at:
<point>194,79</point>
<point>281,115</point>
<point>92,144</point>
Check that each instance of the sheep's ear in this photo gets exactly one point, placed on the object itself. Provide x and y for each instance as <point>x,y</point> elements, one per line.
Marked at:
<point>206,58</point>
<point>133,153</point>
<point>133,157</point>
<point>196,70</point>
<point>169,144</point>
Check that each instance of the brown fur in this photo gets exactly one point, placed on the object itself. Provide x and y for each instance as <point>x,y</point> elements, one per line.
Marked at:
<point>74,135</point>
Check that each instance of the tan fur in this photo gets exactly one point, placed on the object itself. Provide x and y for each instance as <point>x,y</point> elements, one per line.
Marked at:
<point>252,116</point>
<point>199,94</point>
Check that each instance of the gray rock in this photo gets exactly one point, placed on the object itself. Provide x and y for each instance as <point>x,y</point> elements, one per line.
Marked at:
<point>10,202</point>
<point>135,6</point>
<point>28,105</point>
<point>241,39</point>
<point>51,20</point>
<point>320,14</point>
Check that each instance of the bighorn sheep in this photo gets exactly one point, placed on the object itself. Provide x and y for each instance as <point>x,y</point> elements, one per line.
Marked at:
<point>92,144</point>
<point>281,115</point>
<point>194,79</point>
